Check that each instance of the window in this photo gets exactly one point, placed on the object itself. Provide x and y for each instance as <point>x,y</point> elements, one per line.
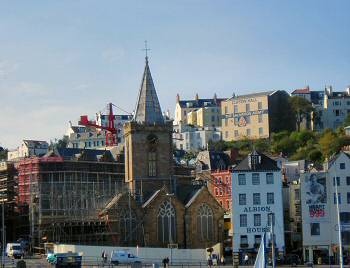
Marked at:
<point>225,109</point>
<point>226,122</point>
<point>227,180</point>
<point>213,118</point>
<point>235,109</point>
<point>220,180</point>
<point>227,204</point>
<point>236,133</point>
<point>257,220</point>
<point>338,181</point>
<point>347,180</point>
<point>241,179</point>
<point>269,217</point>
<point>335,200</point>
<point>257,239</point>
<point>261,131</point>
<point>259,105</point>
<point>216,180</point>
<point>315,228</point>
<point>348,197</point>
<point>247,119</point>
<point>270,199</point>
<point>297,194</point>
<point>205,223</point>
<point>226,134</point>
<point>269,178</point>
<point>152,164</point>
<point>255,179</point>
<point>166,221</point>
<point>216,191</point>
<point>244,239</point>
<point>260,118</point>
<point>102,143</point>
<point>242,200</point>
<point>247,107</point>
<point>221,193</point>
<point>243,220</point>
<point>342,165</point>
<point>256,199</point>
<point>248,132</point>
<point>125,225</point>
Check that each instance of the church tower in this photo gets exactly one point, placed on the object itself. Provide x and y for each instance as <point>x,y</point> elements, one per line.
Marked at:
<point>148,143</point>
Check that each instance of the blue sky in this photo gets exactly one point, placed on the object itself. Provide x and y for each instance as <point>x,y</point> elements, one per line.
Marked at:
<point>61,59</point>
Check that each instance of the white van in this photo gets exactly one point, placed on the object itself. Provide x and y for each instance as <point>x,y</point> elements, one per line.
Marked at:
<point>123,257</point>
<point>14,250</point>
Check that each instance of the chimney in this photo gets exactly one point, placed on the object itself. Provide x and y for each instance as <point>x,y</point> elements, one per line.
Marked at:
<point>215,98</point>
<point>196,97</point>
<point>177,98</point>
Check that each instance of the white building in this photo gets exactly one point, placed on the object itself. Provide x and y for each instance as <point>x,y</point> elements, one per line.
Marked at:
<point>190,138</point>
<point>93,138</point>
<point>331,108</point>
<point>28,148</point>
<point>318,195</point>
<point>256,198</point>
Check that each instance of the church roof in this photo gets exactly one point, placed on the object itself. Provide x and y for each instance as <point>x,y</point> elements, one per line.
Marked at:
<point>148,108</point>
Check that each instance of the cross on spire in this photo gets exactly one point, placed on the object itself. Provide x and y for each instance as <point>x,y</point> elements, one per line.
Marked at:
<point>146,49</point>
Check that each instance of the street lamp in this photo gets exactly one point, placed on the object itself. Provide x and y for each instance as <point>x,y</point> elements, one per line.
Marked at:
<point>170,234</point>
<point>271,216</point>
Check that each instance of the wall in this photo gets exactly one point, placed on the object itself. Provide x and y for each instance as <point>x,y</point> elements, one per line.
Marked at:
<point>147,254</point>
<point>247,120</point>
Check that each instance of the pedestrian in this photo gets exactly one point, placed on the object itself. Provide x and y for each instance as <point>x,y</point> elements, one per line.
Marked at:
<point>222,260</point>
<point>167,261</point>
<point>103,256</point>
<point>246,259</point>
<point>164,263</point>
<point>210,261</point>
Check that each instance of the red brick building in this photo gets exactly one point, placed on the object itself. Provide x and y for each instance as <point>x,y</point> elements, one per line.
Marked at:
<point>221,187</point>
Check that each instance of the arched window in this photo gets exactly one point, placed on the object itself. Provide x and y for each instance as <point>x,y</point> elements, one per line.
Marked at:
<point>205,223</point>
<point>127,225</point>
<point>166,223</point>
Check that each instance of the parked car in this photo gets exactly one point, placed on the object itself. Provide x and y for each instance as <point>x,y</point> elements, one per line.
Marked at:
<point>123,257</point>
<point>14,250</point>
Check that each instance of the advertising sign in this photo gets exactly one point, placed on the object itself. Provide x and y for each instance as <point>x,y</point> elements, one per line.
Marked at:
<point>314,196</point>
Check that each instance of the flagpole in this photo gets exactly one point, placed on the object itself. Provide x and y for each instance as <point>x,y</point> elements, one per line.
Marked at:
<point>273,241</point>
<point>341,265</point>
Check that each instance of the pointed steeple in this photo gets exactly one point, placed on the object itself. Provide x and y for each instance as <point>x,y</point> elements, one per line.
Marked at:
<point>148,109</point>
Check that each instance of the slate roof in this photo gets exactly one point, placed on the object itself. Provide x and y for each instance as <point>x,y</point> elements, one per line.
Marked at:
<point>74,153</point>
<point>212,160</point>
<point>148,108</point>
<point>266,164</point>
<point>186,193</point>
<point>200,103</point>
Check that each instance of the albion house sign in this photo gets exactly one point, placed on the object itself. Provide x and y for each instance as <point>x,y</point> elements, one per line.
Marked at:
<point>257,209</point>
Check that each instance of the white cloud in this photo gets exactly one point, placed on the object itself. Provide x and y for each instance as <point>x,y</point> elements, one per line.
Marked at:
<point>7,67</point>
<point>113,54</point>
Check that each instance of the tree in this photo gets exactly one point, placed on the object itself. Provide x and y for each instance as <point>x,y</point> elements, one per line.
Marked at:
<point>301,108</point>
<point>326,141</point>
<point>3,153</point>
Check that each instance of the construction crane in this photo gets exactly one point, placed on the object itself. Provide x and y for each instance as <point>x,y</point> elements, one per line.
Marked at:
<point>111,131</point>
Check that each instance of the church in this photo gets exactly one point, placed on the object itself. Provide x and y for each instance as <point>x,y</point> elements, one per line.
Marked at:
<point>160,208</point>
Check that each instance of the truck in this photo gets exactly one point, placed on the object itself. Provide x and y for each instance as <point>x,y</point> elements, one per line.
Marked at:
<point>123,257</point>
<point>14,250</point>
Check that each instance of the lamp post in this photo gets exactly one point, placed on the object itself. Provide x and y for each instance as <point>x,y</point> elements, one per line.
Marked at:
<point>170,234</point>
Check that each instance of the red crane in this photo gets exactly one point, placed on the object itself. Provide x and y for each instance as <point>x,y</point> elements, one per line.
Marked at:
<point>111,131</point>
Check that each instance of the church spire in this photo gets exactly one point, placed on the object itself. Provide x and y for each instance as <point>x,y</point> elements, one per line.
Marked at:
<point>148,109</point>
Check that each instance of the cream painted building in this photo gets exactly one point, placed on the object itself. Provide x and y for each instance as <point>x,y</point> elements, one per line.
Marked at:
<point>198,112</point>
<point>255,115</point>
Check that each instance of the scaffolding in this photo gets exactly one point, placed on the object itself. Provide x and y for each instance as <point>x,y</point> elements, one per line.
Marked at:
<point>65,196</point>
